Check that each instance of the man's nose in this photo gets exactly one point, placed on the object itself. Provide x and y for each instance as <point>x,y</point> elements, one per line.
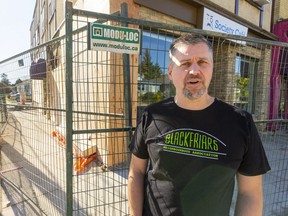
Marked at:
<point>193,72</point>
<point>194,69</point>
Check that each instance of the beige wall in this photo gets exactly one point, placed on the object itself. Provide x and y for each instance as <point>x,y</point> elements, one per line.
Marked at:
<point>267,16</point>
<point>252,14</point>
<point>249,12</point>
<point>281,10</point>
<point>228,5</point>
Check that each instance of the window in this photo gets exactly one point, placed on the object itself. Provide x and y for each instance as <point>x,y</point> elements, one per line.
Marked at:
<point>37,36</point>
<point>43,19</point>
<point>158,46</point>
<point>51,9</point>
<point>153,84</point>
<point>245,82</point>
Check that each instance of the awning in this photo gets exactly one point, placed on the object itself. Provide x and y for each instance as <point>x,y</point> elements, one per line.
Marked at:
<point>38,70</point>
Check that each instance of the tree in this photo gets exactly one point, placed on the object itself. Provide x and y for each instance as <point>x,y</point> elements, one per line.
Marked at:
<point>148,69</point>
<point>4,84</point>
<point>4,79</point>
<point>18,81</point>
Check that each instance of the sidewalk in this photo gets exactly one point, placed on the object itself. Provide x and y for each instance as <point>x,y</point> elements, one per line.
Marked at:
<point>36,164</point>
<point>6,208</point>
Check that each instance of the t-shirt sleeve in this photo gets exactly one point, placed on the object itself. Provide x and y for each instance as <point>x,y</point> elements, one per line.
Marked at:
<point>255,161</point>
<point>138,145</point>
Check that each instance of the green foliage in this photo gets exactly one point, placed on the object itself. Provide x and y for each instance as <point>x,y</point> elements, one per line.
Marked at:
<point>148,69</point>
<point>5,87</point>
<point>243,85</point>
<point>4,79</point>
<point>151,97</point>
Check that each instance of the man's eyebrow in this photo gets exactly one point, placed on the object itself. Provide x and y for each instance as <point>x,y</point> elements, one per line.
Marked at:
<point>189,59</point>
<point>185,60</point>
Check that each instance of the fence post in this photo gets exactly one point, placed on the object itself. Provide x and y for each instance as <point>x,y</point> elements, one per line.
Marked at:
<point>3,109</point>
<point>127,80</point>
<point>69,103</point>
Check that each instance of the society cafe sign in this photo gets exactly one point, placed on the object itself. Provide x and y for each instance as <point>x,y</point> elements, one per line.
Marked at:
<point>215,22</point>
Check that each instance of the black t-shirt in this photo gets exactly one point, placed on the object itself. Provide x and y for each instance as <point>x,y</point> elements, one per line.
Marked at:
<point>194,156</point>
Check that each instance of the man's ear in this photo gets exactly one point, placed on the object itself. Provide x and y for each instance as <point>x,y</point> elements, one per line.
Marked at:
<point>170,71</point>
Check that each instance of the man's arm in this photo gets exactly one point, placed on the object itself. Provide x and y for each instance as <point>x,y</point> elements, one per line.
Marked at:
<point>136,185</point>
<point>250,196</point>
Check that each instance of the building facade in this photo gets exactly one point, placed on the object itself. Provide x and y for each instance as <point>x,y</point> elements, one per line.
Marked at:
<point>248,18</point>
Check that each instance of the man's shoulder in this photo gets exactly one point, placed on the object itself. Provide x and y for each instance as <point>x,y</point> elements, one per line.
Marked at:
<point>230,108</point>
<point>161,104</point>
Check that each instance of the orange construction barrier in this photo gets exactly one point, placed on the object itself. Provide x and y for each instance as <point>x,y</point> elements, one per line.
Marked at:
<point>81,163</point>
<point>60,137</point>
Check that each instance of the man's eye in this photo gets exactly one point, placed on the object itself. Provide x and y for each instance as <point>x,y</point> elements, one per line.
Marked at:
<point>185,64</point>
<point>202,62</point>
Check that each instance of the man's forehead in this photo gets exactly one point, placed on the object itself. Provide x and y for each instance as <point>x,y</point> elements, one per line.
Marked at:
<point>198,50</point>
<point>187,52</point>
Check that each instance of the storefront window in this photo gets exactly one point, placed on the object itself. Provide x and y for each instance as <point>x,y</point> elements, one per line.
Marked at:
<point>245,82</point>
<point>153,83</point>
<point>158,46</point>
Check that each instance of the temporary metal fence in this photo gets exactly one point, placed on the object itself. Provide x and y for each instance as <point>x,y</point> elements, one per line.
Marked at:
<point>75,105</point>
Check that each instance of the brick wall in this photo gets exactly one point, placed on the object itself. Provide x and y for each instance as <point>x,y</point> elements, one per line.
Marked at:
<point>223,82</point>
<point>152,15</point>
<point>133,9</point>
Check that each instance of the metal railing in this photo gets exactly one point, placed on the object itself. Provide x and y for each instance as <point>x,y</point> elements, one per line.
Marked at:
<point>85,103</point>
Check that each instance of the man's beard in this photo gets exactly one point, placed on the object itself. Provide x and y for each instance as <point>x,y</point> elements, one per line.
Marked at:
<point>194,94</point>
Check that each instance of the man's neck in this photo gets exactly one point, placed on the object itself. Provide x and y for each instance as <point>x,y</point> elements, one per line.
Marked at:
<point>194,104</point>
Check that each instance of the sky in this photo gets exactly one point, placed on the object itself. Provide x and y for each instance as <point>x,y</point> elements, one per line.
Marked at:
<point>15,19</point>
